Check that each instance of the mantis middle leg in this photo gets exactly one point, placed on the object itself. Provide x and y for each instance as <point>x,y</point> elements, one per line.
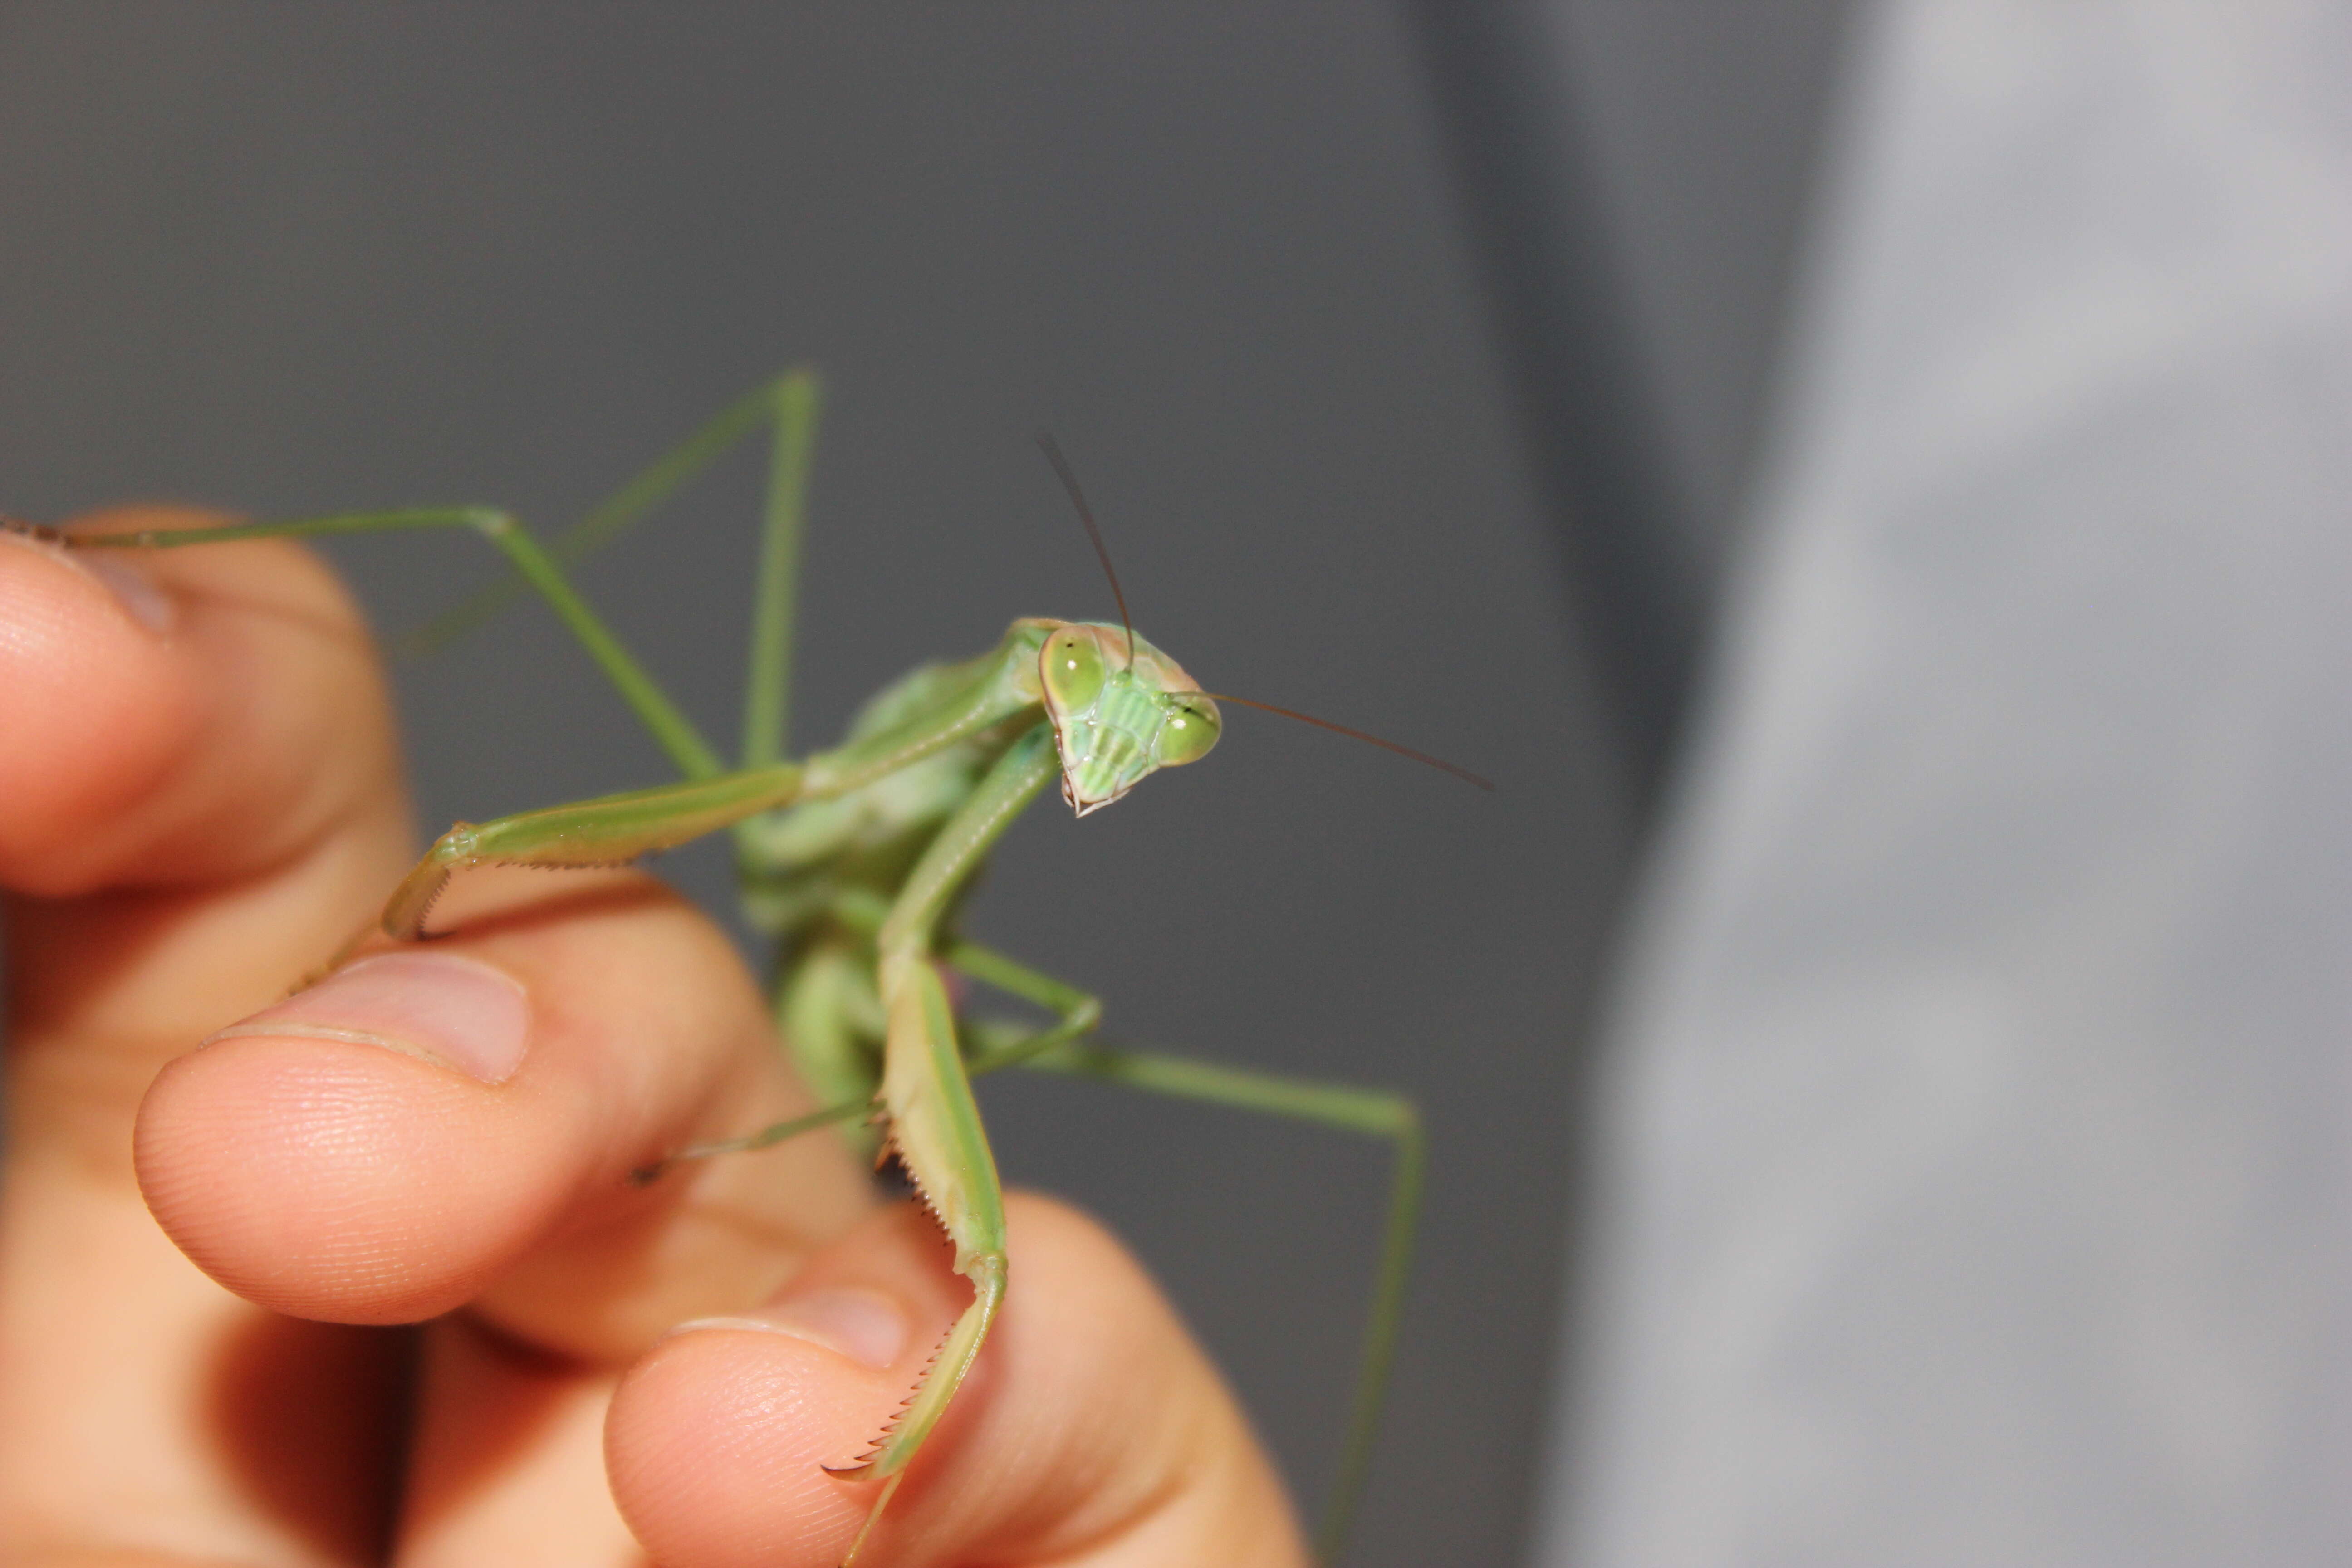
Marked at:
<point>1379,1114</point>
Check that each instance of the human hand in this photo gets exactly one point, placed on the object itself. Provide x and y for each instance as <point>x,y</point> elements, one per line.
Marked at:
<point>198,799</point>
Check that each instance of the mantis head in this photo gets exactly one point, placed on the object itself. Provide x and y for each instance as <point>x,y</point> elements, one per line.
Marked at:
<point>1121,711</point>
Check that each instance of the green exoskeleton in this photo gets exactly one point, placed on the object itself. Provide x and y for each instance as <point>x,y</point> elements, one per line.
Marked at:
<point>854,860</point>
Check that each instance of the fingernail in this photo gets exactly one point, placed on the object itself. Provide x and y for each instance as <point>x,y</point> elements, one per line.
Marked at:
<point>445,1009</point>
<point>866,1326</point>
<point>132,589</point>
<point>136,593</point>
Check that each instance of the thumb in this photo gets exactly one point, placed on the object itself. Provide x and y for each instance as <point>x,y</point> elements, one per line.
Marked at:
<point>1091,1431</point>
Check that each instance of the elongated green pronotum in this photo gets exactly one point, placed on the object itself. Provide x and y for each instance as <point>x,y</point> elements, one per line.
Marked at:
<point>853,859</point>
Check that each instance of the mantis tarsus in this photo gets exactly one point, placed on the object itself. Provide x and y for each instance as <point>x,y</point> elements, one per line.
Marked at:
<point>853,860</point>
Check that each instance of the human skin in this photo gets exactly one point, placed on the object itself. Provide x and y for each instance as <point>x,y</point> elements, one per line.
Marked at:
<point>206,1250</point>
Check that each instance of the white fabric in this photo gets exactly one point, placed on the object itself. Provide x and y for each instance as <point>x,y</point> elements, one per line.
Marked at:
<point>1977,1178</point>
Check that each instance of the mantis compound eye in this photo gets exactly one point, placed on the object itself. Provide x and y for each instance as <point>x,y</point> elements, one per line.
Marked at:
<point>1072,669</point>
<point>1192,728</point>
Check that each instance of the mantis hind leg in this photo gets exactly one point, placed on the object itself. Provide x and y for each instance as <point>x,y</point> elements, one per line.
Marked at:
<point>790,402</point>
<point>618,828</point>
<point>668,725</point>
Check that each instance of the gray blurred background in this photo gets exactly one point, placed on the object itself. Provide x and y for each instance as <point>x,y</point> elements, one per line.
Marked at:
<point>1973,1186</point>
<point>1412,355</point>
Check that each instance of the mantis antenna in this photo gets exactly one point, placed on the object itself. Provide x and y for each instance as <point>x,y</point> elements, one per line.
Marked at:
<point>1052,450</point>
<point>1440,764</point>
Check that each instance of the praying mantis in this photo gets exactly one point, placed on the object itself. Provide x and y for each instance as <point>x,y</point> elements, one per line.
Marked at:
<point>853,860</point>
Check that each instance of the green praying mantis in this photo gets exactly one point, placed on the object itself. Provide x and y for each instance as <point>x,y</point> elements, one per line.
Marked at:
<point>854,860</point>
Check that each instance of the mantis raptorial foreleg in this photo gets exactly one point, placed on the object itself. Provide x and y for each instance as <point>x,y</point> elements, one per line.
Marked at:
<point>934,1124</point>
<point>1065,1047</point>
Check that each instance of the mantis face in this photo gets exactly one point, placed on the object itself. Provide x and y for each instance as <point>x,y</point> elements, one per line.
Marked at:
<point>1117,719</point>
